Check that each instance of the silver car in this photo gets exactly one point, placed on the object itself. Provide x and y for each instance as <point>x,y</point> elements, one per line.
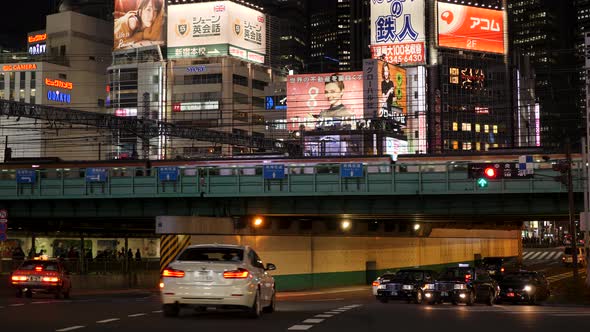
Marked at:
<point>221,276</point>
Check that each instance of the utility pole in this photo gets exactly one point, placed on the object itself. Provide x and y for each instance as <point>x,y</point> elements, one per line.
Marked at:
<point>570,196</point>
<point>145,140</point>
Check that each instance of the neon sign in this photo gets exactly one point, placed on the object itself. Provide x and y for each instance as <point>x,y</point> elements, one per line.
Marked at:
<point>20,67</point>
<point>59,84</point>
<point>59,97</point>
<point>37,38</point>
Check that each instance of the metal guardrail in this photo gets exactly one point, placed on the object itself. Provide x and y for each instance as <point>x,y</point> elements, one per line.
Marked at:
<point>249,181</point>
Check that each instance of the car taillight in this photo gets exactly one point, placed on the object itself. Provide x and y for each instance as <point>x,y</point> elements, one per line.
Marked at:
<point>375,283</point>
<point>467,277</point>
<point>19,278</point>
<point>172,273</point>
<point>502,270</point>
<point>50,279</point>
<point>236,274</point>
<point>38,268</point>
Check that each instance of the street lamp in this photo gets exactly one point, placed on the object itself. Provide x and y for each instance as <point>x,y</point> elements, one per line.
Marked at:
<point>345,225</point>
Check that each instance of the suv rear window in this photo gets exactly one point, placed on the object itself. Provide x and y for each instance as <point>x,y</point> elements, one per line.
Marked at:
<point>212,255</point>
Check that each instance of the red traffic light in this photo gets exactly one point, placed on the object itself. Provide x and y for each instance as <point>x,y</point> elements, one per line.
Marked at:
<point>490,172</point>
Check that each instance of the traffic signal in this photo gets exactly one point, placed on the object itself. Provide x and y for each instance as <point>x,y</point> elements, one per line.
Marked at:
<point>482,182</point>
<point>490,172</point>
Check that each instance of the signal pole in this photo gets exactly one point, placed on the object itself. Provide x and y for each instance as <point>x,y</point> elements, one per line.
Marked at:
<point>570,197</point>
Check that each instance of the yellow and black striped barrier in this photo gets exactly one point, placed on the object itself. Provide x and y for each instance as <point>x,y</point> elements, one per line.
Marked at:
<point>170,246</point>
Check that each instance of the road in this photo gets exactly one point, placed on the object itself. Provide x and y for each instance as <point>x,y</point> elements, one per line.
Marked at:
<point>346,310</point>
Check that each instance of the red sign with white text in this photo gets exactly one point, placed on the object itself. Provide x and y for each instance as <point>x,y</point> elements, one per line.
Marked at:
<point>402,53</point>
<point>470,28</point>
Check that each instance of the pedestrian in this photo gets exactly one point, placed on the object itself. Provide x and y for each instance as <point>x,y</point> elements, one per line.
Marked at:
<point>138,255</point>
<point>129,254</point>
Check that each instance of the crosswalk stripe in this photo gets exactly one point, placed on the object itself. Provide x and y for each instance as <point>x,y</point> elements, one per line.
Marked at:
<point>556,255</point>
<point>543,255</point>
<point>535,255</point>
<point>527,254</point>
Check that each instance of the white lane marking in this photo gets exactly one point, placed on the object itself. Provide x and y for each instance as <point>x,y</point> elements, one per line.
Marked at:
<point>353,306</point>
<point>534,256</point>
<point>341,310</point>
<point>108,320</point>
<point>572,314</point>
<point>300,327</point>
<point>332,312</point>
<point>313,321</point>
<point>70,328</point>
<point>136,315</point>
<point>526,255</point>
<point>16,305</point>
<point>543,255</point>
<point>347,290</point>
<point>157,312</point>
<point>323,316</point>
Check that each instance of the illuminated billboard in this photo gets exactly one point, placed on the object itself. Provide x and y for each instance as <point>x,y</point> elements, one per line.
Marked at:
<point>37,42</point>
<point>139,23</point>
<point>398,31</point>
<point>385,91</point>
<point>215,29</point>
<point>470,28</point>
<point>325,101</point>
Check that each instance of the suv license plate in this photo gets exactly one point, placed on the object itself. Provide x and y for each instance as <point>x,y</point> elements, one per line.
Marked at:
<point>393,293</point>
<point>444,294</point>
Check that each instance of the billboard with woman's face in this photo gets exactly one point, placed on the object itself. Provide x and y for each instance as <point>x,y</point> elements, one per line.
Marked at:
<point>139,23</point>
<point>325,101</point>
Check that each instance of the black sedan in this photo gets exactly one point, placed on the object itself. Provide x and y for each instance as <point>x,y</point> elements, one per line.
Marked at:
<point>406,284</point>
<point>524,286</point>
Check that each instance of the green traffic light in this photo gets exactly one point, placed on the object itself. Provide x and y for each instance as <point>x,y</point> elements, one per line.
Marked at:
<point>482,183</point>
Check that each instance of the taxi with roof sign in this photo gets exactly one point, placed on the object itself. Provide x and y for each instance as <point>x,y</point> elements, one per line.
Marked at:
<point>41,275</point>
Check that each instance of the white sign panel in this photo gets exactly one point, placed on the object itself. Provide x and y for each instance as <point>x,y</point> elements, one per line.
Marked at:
<point>395,147</point>
<point>398,31</point>
<point>217,23</point>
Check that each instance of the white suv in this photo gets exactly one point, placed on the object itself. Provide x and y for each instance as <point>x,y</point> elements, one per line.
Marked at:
<point>222,276</point>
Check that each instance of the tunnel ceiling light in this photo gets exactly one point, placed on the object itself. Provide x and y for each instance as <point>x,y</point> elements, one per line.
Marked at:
<point>345,225</point>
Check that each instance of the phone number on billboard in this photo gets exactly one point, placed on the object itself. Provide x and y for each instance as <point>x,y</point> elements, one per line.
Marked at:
<point>406,58</point>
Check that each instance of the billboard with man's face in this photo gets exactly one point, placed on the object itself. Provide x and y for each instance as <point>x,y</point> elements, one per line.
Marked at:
<point>470,28</point>
<point>214,29</point>
<point>139,23</point>
<point>325,101</point>
<point>398,31</point>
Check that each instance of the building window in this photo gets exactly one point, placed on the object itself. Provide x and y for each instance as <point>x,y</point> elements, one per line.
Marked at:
<point>478,146</point>
<point>466,146</point>
<point>455,126</point>
<point>455,145</point>
<point>486,128</point>
<point>466,127</point>
<point>259,85</point>
<point>202,79</point>
<point>240,80</point>
<point>258,102</point>
<point>21,95</point>
<point>495,129</point>
<point>32,98</point>
<point>477,128</point>
<point>241,98</point>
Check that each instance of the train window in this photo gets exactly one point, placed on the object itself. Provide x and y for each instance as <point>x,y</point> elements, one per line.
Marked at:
<point>227,171</point>
<point>248,171</point>
<point>189,171</point>
<point>6,174</point>
<point>309,170</point>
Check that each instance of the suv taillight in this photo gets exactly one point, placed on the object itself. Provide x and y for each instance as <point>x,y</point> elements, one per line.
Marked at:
<point>236,274</point>
<point>467,277</point>
<point>172,273</point>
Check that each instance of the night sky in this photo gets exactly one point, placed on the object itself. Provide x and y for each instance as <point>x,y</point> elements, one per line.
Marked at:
<point>19,18</point>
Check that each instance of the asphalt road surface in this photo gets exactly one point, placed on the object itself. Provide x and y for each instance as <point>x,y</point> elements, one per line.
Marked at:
<point>351,309</point>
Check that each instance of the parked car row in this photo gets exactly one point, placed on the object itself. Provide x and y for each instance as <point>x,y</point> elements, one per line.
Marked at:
<point>462,284</point>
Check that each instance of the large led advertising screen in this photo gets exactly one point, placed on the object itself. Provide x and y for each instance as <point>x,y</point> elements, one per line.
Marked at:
<point>398,31</point>
<point>470,28</point>
<point>325,101</point>
<point>214,29</point>
<point>139,23</point>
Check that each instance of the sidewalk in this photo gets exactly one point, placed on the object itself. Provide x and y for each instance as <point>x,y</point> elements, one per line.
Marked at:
<point>568,292</point>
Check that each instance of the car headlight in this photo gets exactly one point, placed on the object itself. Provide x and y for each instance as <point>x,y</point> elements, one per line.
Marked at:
<point>460,286</point>
<point>429,286</point>
<point>407,287</point>
<point>527,288</point>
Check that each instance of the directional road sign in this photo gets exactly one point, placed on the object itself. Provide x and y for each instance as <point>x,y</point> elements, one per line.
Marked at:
<point>168,173</point>
<point>351,170</point>
<point>26,176</point>
<point>96,174</point>
<point>273,172</point>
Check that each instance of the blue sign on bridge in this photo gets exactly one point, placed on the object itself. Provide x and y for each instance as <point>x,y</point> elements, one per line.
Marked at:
<point>96,174</point>
<point>274,172</point>
<point>26,176</point>
<point>351,170</point>
<point>168,173</point>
